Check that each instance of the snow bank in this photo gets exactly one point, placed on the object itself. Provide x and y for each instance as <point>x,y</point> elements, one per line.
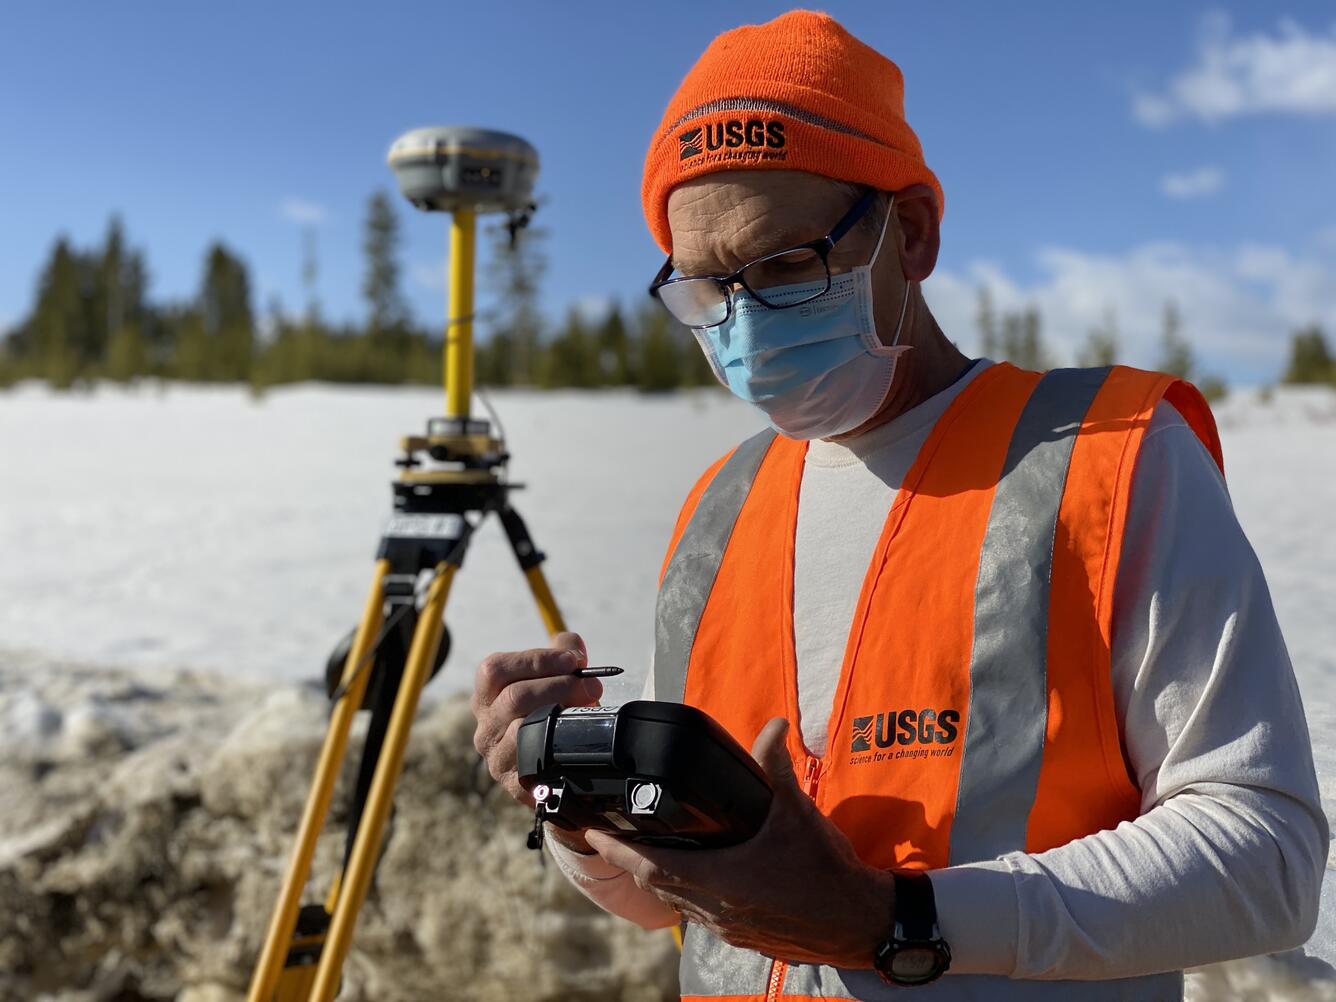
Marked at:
<point>143,867</point>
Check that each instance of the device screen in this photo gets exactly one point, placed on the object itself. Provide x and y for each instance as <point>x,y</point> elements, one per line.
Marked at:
<point>581,735</point>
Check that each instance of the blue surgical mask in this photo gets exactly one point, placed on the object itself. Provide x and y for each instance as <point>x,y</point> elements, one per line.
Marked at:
<point>816,370</point>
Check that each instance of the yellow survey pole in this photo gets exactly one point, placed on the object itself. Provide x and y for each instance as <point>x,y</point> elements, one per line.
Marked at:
<point>459,318</point>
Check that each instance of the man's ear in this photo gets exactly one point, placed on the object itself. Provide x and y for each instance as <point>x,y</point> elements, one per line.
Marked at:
<point>917,230</point>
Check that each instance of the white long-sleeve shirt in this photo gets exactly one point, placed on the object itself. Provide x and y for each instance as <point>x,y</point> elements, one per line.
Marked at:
<point>1227,855</point>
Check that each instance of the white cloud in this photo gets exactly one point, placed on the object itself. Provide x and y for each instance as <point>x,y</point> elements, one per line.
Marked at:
<point>302,212</point>
<point>428,275</point>
<point>1238,305</point>
<point>1290,72</point>
<point>593,308</point>
<point>1194,183</point>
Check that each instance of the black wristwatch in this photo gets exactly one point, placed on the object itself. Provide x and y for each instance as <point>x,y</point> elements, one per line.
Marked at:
<point>916,953</point>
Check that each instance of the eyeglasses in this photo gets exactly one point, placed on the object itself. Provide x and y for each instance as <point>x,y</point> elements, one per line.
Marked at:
<point>702,301</point>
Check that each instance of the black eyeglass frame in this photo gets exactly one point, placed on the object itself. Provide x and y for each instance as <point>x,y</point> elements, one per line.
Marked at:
<point>822,246</point>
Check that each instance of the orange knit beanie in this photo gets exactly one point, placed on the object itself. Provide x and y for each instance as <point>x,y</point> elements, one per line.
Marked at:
<point>796,93</point>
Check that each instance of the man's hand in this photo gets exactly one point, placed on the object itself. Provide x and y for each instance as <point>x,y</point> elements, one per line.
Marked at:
<point>796,890</point>
<point>509,687</point>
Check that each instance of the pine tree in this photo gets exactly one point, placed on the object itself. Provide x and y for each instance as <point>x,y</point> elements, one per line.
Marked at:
<point>572,357</point>
<point>1310,358</point>
<point>227,325</point>
<point>1012,335</point>
<point>121,282</point>
<point>387,314</point>
<point>987,320</point>
<point>696,369</point>
<point>58,319</point>
<point>1175,352</point>
<point>1033,353</point>
<point>1213,388</point>
<point>111,286</point>
<point>614,346</point>
<point>311,275</point>
<point>424,360</point>
<point>515,271</point>
<point>126,356</point>
<point>1022,341</point>
<point>492,360</point>
<point>194,355</point>
<point>1101,346</point>
<point>659,366</point>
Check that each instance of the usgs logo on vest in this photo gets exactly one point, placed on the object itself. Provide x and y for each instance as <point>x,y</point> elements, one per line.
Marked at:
<point>754,134</point>
<point>926,729</point>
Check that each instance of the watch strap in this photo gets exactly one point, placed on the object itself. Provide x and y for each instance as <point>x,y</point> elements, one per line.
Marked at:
<point>915,906</point>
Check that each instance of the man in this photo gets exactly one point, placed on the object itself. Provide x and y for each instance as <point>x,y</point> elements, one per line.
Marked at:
<point>995,636</point>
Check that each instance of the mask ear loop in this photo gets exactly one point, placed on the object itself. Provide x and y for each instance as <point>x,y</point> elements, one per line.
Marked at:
<point>882,236</point>
<point>904,302</point>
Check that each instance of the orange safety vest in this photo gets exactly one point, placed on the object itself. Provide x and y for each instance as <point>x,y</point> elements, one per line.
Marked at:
<point>974,714</point>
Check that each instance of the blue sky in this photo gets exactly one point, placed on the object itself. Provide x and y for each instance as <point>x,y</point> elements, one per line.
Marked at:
<point>1095,158</point>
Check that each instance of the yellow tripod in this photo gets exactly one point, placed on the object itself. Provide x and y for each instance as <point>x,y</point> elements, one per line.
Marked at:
<point>397,644</point>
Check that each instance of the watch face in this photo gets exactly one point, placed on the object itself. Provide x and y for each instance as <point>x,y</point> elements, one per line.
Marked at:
<point>913,963</point>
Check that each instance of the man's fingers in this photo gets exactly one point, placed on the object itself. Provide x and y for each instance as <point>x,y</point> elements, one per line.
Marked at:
<point>519,699</point>
<point>569,641</point>
<point>499,723</point>
<point>771,752</point>
<point>509,686</point>
<point>618,853</point>
<point>498,671</point>
<point>652,867</point>
<point>502,755</point>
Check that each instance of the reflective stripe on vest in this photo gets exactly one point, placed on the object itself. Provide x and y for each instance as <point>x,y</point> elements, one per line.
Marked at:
<point>1008,709</point>
<point>686,585</point>
<point>984,726</point>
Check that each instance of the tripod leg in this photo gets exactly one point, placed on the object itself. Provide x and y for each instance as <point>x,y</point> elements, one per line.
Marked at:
<point>356,878</point>
<point>531,563</point>
<point>281,926</point>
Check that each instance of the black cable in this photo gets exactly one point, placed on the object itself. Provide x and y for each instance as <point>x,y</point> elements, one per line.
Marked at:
<point>341,689</point>
<point>500,429</point>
